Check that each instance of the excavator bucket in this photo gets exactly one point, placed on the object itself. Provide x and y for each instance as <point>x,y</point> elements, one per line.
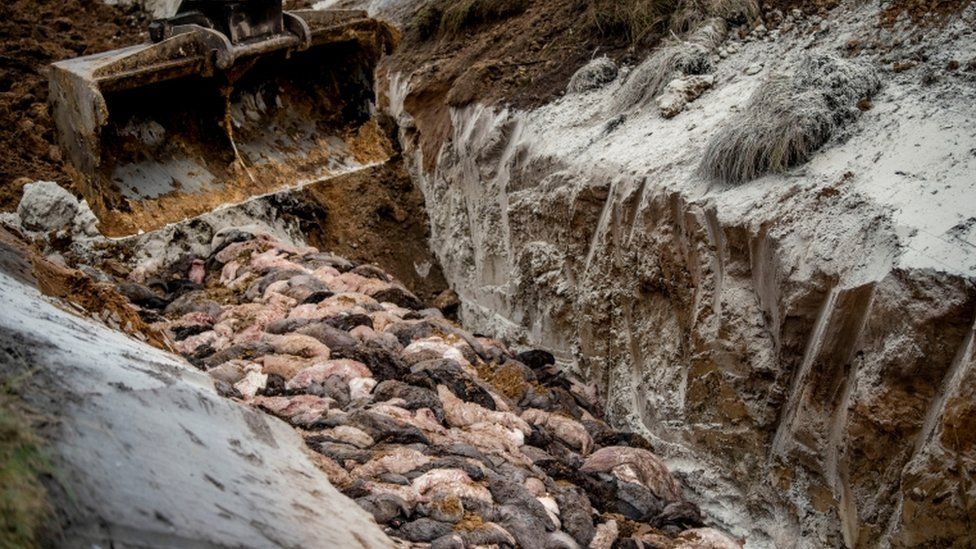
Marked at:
<point>160,132</point>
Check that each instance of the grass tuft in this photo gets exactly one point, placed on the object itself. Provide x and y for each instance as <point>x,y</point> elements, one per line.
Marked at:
<point>453,17</point>
<point>789,117</point>
<point>689,14</point>
<point>689,55</point>
<point>643,21</point>
<point>639,21</point>
<point>23,499</point>
<point>595,74</point>
<point>427,20</point>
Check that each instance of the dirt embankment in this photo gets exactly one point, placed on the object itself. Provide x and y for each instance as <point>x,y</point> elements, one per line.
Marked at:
<point>923,11</point>
<point>35,33</point>
<point>523,60</point>
<point>376,217</point>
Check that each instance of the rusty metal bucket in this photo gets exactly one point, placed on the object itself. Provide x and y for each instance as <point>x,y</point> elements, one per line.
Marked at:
<point>160,132</point>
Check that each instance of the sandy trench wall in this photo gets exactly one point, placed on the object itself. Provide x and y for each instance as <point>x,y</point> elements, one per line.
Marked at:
<point>812,392</point>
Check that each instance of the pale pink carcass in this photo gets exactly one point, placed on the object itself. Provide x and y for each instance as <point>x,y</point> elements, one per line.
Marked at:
<point>299,345</point>
<point>274,260</point>
<point>440,483</point>
<point>565,429</point>
<point>299,409</point>
<point>648,469</point>
<point>399,461</point>
<point>349,435</point>
<point>285,366</point>
<point>318,373</point>
<point>459,413</point>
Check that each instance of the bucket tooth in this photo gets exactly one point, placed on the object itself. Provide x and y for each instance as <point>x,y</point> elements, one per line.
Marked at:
<point>159,132</point>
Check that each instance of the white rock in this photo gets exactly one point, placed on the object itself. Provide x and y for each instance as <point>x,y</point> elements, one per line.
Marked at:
<point>681,91</point>
<point>85,223</point>
<point>45,206</point>
<point>753,69</point>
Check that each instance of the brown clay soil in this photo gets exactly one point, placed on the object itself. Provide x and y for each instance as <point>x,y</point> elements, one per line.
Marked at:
<point>925,12</point>
<point>34,33</point>
<point>524,61</point>
<point>376,216</point>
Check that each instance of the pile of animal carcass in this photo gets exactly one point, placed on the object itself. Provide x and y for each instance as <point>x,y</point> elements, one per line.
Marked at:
<point>446,437</point>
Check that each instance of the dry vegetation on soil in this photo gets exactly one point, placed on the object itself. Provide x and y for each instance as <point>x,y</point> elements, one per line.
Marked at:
<point>520,57</point>
<point>23,499</point>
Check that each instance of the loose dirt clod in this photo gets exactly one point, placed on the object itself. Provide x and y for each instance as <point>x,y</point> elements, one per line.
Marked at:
<point>45,206</point>
<point>595,74</point>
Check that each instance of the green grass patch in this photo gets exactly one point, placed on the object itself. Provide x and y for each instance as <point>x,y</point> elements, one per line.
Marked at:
<point>24,506</point>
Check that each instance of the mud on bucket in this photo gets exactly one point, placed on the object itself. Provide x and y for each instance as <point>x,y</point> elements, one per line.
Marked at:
<point>154,134</point>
